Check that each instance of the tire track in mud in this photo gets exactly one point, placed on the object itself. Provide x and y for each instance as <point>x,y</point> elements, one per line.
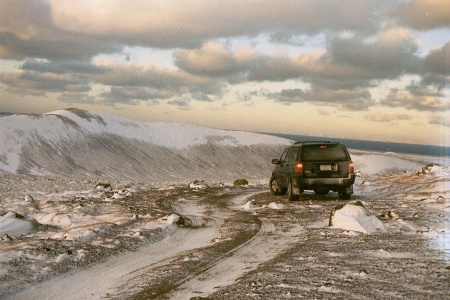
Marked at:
<point>204,208</point>
<point>220,243</point>
<point>100,280</point>
<point>272,239</point>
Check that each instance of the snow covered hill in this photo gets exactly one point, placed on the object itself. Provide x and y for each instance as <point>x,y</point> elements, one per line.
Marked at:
<point>76,143</point>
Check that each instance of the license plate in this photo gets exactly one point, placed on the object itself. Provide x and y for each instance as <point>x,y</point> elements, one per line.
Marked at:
<point>325,167</point>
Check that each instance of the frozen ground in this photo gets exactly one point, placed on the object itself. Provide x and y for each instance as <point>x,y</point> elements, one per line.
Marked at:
<point>142,240</point>
<point>151,234</point>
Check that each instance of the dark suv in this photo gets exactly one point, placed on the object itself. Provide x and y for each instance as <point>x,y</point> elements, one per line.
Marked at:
<point>317,166</point>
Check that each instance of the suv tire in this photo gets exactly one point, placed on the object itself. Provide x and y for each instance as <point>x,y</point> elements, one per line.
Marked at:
<point>344,195</point>
<point>275,189</point>
<point>290,193</point>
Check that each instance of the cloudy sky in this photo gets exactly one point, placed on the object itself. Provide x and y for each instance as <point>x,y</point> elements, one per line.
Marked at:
<point>375,70</point>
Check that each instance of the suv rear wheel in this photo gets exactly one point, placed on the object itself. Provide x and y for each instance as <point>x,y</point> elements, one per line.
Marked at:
<point>275,189</point>
<point>344,195</point>
<point>290,192</point>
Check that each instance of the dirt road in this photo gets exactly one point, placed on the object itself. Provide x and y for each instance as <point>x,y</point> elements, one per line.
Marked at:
<point>240,243</point>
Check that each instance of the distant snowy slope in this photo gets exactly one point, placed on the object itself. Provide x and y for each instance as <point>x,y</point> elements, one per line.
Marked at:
<point>169,135</point>
<point>75,142</point>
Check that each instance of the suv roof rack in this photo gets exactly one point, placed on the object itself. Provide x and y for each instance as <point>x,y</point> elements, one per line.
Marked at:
<point>313,142</point>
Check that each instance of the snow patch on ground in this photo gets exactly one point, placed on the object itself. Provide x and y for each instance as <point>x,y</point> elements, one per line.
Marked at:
<point>354,217</point>
<point>14,226</point>
<point>276,205</point>
<point>249,205</point>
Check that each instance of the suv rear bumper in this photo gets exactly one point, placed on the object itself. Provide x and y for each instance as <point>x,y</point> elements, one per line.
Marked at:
<point>323,182</point>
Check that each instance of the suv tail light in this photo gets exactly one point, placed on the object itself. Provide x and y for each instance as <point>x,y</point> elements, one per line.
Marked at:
<point>298,169</point>
<point>351,168</point>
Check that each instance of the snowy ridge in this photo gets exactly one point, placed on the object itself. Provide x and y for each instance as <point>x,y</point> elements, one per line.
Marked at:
<point>79,142</point>
<point>169,135</point>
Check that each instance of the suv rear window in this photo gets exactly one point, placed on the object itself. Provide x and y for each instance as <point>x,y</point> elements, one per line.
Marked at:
<point>324,153</point>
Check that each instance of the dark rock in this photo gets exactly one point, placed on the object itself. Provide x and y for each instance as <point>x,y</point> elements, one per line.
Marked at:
<point>28,198</point>
<point>103,186</point>
<point>18,216</point>
<point>198,184</point>
<point>6,238</point>
<point>393,216</point>
<point>181,222</point>
<point>333,211</point>
<point>359,203</point>
<point>240,182</point>
<point>426,169</point>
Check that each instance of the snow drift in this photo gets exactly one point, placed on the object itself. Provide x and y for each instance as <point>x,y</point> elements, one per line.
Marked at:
<point>354,217</point>
<point>12,224</point>
<point>75,142</point>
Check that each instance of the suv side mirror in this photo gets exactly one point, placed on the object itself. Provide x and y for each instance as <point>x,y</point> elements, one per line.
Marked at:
<point>275,161</point>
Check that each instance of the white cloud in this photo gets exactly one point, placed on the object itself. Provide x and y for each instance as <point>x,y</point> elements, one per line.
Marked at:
<point>393,35</point>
